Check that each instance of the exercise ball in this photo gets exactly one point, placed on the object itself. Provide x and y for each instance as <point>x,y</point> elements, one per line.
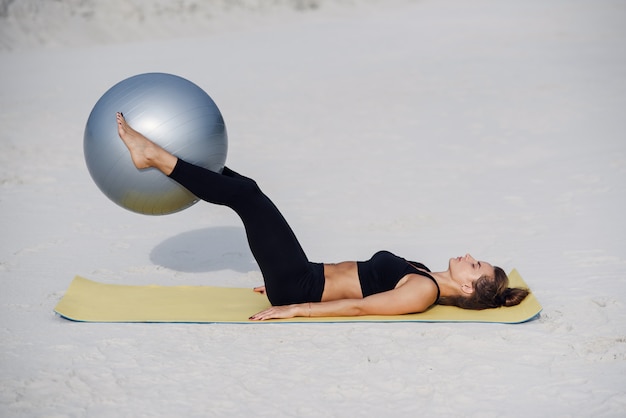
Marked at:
<point>170,111</point>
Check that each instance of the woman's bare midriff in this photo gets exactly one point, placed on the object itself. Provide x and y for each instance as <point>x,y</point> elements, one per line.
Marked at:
<point>341,281</point>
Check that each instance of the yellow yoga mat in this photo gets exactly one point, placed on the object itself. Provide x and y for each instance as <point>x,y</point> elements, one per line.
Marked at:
<point>90,301</point>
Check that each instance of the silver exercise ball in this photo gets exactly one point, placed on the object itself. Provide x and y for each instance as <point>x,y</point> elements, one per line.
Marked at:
<point>170,111</point>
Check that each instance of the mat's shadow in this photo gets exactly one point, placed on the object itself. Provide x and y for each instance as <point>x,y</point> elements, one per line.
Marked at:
<point>204,250</point>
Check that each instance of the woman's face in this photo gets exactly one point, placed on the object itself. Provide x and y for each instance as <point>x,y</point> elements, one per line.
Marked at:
<point>466,270</point>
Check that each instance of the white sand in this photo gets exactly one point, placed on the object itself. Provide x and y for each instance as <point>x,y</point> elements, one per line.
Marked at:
<point>428,128</point>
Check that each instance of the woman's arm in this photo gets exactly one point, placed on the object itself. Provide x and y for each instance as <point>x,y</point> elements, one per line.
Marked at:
<point>416,295</point>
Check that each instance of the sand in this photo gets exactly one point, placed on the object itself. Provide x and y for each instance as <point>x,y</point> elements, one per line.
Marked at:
<point>428,128</point>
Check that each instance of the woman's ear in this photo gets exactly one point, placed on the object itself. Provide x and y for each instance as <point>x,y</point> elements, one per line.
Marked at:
<point>467,289</point>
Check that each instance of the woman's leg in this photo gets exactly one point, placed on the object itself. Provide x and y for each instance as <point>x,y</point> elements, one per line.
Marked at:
<point>284,265</point>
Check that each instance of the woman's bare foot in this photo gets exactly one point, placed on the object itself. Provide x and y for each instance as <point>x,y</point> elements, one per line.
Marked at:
<point>141,148</point>
<point>144,152</point>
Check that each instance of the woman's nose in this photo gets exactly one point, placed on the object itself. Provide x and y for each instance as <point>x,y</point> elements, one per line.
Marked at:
<point>469,257</point>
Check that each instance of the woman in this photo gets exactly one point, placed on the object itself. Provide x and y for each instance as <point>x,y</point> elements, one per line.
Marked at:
<point>384,285</point>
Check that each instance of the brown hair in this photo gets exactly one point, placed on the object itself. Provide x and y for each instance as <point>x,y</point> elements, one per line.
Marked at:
<point>489,292</point>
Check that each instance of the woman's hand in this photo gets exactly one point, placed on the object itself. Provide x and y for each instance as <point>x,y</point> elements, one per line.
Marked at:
<point>277,312</point>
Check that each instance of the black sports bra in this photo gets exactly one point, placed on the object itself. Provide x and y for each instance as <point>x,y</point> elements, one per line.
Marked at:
<point>384,270</point>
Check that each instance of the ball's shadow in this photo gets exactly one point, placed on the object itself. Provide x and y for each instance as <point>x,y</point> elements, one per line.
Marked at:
<point>204,250</point>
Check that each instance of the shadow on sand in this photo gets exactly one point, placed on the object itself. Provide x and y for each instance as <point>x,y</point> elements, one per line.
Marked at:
<point>204,250</point>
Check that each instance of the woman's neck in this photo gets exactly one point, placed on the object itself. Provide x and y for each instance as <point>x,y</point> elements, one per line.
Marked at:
<point>447,286</point>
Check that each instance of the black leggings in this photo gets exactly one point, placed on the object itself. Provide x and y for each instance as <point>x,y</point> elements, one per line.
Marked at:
<point>289,276</point>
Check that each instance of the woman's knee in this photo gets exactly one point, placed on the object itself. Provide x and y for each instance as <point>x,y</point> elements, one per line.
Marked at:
<point>248,189</point>
<point>245,195</point>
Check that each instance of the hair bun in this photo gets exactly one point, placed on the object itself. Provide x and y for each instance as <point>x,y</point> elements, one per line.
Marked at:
<point>513,296</point>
